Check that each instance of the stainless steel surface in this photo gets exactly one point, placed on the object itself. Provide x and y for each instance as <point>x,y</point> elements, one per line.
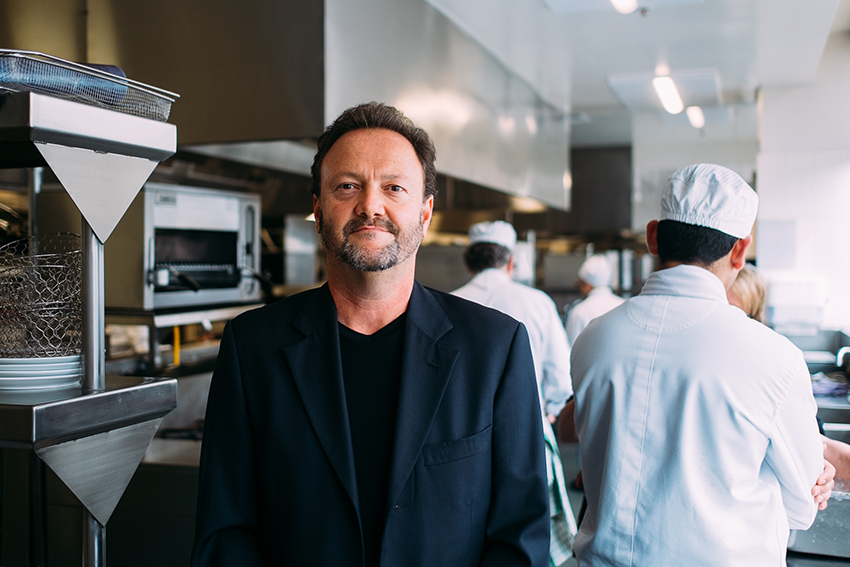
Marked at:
<point>94,540</point>
<point>162,320</point>
<point>839,356</point>
<point>27,118</point>
<point>95,436</point>
<point>35,176</point>
<point>94,351</point>
<point>833,409</point>
<point>98,468</point>
<point>489,126</point>
<point>43,418</point>
<point>828,535</point>
<point>101,157</point>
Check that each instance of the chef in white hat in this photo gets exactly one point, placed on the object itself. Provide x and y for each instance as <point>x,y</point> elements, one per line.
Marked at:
<point>489,257</point>
<point>699,444</point>
<point>594,280</point>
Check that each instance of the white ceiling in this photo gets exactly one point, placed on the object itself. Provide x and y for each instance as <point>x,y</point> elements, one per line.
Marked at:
<point>584,57</point>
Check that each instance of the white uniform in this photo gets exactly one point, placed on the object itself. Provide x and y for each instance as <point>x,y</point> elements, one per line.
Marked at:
<point>598,302</point>
<point>697,427</point>
<point>536,310</point>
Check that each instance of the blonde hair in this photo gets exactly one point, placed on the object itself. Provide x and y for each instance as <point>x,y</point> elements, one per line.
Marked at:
<point>750,290</point>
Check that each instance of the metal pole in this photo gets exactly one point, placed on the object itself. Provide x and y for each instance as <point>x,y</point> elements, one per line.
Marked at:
<point>33,189</point>
<point>94,542</point>
<point>94,331</point>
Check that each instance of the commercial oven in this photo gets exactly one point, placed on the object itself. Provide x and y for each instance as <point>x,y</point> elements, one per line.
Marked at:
<point>175,247</point>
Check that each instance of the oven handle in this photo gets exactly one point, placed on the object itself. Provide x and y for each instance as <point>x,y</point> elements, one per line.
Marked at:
<point>184,279</point>
<point>266,284</point>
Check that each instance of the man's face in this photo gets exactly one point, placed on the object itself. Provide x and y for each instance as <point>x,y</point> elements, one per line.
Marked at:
<point>370,212</point>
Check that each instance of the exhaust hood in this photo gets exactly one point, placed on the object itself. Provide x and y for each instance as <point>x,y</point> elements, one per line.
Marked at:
<point>258,77</point>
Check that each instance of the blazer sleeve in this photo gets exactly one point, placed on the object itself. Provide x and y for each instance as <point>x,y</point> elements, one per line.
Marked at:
<point>227,520</point>
<point>518,521</point>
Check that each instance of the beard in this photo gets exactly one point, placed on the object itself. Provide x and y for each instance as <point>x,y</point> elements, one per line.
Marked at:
<point>404,244</point>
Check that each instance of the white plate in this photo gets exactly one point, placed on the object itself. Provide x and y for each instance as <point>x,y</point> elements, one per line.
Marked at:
<point>39,373</point>
<point>50,383</point>
<point>28,368</point>
<point>40,360</point>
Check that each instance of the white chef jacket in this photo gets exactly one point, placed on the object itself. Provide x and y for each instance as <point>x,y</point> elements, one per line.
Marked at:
<point>536,310</point>
<point>599,301</point>
<point>699,443</point>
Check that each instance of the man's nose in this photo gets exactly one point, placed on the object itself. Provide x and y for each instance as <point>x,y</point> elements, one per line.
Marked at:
<point>370,202</point>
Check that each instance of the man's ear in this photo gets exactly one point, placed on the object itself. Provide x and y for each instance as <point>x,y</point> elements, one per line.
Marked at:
<point>317,214</point>
<point>427,214</point>
<point>652,237</point>
<point>739,252</point>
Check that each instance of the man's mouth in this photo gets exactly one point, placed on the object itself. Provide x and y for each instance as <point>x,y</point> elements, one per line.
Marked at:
<point>362,225</point>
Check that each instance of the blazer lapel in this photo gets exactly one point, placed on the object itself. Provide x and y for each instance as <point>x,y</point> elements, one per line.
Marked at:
<point>316,368</point>
<point>426,367</point>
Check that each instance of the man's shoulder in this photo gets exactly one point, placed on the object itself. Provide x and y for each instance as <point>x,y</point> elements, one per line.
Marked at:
<point>281,311</point>
<point>462,311</point>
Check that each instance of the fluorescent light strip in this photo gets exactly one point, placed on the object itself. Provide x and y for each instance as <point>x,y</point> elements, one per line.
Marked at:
<point>669,95</point>
<point>696,117</point>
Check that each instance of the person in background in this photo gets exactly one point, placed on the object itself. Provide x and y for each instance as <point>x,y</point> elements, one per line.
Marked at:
<point>697,429</point>
<point>489,257</point>
<point>372,421</point>
<point>749,293</point>
<point>594,283</point>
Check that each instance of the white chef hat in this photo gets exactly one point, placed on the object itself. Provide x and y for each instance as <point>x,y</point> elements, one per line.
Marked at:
<point>496,232</point>
<point>713,196</point>
<point>596,271</point>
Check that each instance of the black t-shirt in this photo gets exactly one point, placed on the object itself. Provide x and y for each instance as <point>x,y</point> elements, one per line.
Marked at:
<point>371,371</point>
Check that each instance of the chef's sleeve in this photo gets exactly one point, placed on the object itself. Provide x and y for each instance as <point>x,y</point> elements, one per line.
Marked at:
<point>795,451</point>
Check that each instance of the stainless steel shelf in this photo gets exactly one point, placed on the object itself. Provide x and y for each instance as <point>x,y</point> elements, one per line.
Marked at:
<point>162,320</point>
<point>36,419</point>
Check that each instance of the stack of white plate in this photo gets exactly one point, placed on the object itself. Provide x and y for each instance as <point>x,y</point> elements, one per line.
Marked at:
<point>40,373</point>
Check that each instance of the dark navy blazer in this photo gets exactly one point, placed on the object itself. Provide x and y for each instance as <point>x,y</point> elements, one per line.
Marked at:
<point>467,482</point>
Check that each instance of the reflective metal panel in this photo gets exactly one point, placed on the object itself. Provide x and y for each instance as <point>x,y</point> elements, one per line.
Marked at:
<point>489,125</point>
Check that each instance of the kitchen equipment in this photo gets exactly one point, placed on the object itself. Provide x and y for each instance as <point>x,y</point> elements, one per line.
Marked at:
<point>40,297</point>
<point>176,247</point>
<point>93,436</point>
<point>104,86</point>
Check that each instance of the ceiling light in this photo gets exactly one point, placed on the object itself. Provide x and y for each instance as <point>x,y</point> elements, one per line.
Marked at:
<point>625,6</point>
<point>531,124</point>
<point>506,124</point>
<point>696,117</point>
<point>669,95</point>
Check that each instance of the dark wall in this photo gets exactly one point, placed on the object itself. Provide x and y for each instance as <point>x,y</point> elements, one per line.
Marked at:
<point>601,196</point>
<point>602,189</point>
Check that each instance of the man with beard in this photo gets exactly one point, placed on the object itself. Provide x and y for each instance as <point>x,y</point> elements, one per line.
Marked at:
<point>373,421</point>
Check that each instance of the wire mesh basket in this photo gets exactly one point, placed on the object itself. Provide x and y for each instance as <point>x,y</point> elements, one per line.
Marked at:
<point>96,85</point>
<point>40,297</point>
